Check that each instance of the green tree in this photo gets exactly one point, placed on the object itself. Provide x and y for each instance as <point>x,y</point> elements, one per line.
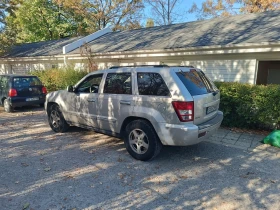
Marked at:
<point>119,14</point>
<point>7,39</point>
<point>8,7</point>
<point>215,8</point>
<point>38,20</point>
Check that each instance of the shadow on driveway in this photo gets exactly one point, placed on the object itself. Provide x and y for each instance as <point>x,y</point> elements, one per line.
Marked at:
<point>85,170</point>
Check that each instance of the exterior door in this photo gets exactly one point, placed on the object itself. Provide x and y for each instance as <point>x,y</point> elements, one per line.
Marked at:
<point>273,76</point>
<point>116,101</point>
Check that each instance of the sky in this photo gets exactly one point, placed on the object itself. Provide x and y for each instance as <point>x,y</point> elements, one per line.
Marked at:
<point>182,8</point>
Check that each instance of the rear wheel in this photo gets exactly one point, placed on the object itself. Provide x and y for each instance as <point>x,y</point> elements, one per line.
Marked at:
<point>141,140</point>
<point>7,106</point>
<point>56,119</point>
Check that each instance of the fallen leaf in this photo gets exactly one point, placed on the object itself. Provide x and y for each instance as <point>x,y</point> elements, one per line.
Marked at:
<point>47,169</point>
<point>24,164</point>
<point>272,181</point>
<point>25,206</point>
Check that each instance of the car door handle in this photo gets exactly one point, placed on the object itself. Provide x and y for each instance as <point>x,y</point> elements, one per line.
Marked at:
<point>125,102</point>
<point>91,100</point>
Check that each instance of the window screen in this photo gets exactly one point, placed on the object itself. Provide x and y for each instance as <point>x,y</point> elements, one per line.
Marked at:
<point>118,83</point>
<point>151,84</point>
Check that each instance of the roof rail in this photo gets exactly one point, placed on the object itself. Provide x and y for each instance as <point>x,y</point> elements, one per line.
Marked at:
<point>116,67</point>
<point>164,65</point>
<point>183,66</point>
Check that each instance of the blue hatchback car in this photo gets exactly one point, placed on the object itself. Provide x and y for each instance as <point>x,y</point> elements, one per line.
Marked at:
<point>21,90</point>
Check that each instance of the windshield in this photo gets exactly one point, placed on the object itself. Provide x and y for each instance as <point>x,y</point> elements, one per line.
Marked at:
<point>196,82</point>
<point>26,81</point>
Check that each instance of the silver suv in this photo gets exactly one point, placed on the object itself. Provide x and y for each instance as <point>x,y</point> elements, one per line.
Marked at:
<point>147,106</point>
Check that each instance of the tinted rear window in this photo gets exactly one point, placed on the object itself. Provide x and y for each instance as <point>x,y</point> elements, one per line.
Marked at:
<point>26,81</point>
<point>196,82</point>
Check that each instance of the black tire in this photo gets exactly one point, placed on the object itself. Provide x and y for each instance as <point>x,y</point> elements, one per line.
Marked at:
<point>141,146</point>
<point>56,119</point>
<point>7,106</point>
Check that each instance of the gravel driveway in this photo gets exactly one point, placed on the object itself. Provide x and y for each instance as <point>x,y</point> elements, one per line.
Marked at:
<point>85,170</point>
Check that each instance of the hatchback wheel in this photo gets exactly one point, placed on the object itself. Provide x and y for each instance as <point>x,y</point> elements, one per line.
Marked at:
<point>56,119</point>
<point>7,106</point>
<point>141,140</point>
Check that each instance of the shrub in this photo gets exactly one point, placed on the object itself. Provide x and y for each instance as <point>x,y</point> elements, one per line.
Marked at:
<point>57,79</point>
<point>250,106</point>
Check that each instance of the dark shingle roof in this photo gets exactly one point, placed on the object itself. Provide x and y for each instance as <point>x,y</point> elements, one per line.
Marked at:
<point>45,48</point>
<point>240,29</point>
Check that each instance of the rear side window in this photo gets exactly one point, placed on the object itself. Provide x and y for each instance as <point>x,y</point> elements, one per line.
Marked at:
<point>118,83</point>
<point>196,82</point>
<point>26,81</point>
<point>151,84</point>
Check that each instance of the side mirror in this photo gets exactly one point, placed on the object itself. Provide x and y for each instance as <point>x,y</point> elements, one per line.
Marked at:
<point>70,88</point>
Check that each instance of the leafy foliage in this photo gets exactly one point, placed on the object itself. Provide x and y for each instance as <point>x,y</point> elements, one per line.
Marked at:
<point>121,14</point>
<point>58,79</point>
<point>215,8</point>
<point>250,106</point>
<point>38,20</point>
<point>150,23</point>
<point>7,39</point>
<point>8,7</point>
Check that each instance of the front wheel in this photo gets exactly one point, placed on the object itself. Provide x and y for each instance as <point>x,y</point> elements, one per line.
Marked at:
<point>7,106</point>
<point>141,140</point>
<point>56,119</point>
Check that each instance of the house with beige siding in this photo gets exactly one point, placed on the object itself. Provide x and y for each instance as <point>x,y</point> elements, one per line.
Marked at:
<point>242,48</point>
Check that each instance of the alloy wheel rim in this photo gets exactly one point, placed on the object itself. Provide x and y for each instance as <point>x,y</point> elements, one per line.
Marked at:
<point>55,118</point>
<point>138,141</point>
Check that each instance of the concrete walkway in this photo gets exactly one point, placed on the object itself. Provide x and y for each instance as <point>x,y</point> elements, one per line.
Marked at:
<point>241,140</point>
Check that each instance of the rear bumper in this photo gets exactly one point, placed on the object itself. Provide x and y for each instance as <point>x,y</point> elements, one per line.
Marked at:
<point>188,134</point>
<point>21,101</point>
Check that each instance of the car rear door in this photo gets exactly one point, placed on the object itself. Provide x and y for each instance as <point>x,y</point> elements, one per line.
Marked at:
<point>205,95</point>
<point>116,101</point>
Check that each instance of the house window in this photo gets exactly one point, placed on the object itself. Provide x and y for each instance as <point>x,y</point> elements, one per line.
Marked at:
<point>54,66</point>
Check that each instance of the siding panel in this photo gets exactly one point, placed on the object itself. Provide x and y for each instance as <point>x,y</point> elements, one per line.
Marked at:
<point>227,70</point>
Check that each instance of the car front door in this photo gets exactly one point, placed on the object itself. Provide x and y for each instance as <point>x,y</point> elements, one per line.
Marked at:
<point>116,101</point>
<point>85,98</point>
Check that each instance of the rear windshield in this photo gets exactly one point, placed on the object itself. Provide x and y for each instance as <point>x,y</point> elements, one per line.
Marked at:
<point>26,81</point>
<point>196,82</point>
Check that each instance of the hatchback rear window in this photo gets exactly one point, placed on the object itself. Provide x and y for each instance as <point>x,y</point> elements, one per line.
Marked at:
<point>196,82</point>
<point>26,81</point>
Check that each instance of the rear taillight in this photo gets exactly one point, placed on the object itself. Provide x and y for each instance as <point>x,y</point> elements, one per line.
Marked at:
<point>12,92</point>
<point>184,110</point>
<point>44,90</point>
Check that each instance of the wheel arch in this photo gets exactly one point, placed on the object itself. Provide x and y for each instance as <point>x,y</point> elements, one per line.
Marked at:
<point>49,104</point>
<point>130,119</point>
